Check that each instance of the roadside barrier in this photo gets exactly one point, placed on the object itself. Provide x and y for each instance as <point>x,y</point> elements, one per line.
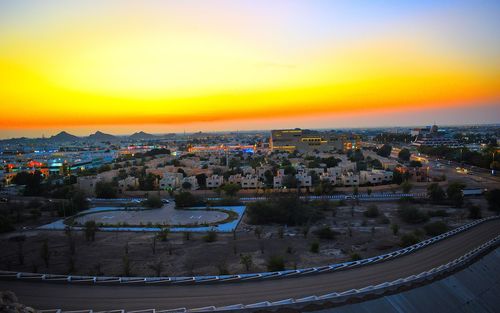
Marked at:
<point>185,280</point>
<point>334,297</point>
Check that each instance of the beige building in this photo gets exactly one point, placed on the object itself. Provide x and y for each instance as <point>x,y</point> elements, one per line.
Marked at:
<point>215,181</point>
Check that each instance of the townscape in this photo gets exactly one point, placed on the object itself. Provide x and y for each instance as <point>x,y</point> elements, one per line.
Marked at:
<point>190,156</point>
<point>308,197</point>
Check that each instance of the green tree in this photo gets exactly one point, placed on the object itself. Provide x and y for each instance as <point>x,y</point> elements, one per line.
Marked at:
<point>289,181</point>
<point>435,193</point>
<point>247,261</point>
<point>186,199</point>
<point>454,193</point>
<point>231,189</point>
<point>385,150</point>
<point>153,201</point>
<point>79,200</point>
<point>105,190</point>
<point>493,198</point>
<point>404,154</point>
<point>90,230</point>
<point>45,253</point>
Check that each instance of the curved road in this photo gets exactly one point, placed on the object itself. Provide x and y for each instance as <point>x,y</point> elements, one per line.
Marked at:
<point>98,297</point>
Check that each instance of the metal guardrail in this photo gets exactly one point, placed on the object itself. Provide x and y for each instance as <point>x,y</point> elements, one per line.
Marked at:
<point>176,280</point>
<point>333,297</point>
<point>364,196</point>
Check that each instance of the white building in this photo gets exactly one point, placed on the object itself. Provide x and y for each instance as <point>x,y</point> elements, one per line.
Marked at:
<point>171,181</point>
<point>328,177</point>
<point>303,180</point>
<point>215,181</point>
<point>350,179</point>
<point>250,182</point>
<point>375,177</point>
<point>235,179</point>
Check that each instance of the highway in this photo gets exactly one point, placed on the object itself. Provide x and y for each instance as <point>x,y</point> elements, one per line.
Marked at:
<point>43,295</point>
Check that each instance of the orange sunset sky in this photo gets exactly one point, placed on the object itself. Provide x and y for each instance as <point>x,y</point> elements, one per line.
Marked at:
<point>172,66</point>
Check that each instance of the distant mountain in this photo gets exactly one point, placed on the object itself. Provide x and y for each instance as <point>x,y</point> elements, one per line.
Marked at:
<point>100,136</point>
<point>64,137</point>
<point>142,136</point>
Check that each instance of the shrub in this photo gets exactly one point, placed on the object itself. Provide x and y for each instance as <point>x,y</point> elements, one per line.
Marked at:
<point>372,211</point>
<point>186,199</point>
<point>475,212</point>
<point>435,228</point>
<point>412,215</point>
<point>437,213</point>
<point>325,233</point>
<point>153,202</point>
<point>275,263</point>
<point>493,198</point>
<point>283,210</point>
<point>315,247</point>
<point>211,236</point>
<point>355,257</point>
<point>5,224</point>
<point>409,240</point>
<point>395,229</point>
<point>163,234</point>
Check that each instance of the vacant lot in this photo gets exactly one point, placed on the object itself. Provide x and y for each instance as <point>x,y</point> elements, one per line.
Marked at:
<point>139,254</point>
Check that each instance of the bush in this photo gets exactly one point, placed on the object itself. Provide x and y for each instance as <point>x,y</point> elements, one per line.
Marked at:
<point>163,234</point>
<point>454,193</point>
<point>372,211</point>
<point>384,220</point>
<point>283,210</point>
<point>153,202</point>
<point>275,263</point>
<point>5,224</point>
<point>105,190</point>
<point>435,228</point>
<point>186,199</point>
<point>437,213</point>
<point>315,247</point>
<point>412,215</point>
<point>325,233</point>
<point>493,198</point>
<point>409,240</point>
<point>355,257</point>
<point>435,193</point>
<point>211,236</point>
<point>475,212</point>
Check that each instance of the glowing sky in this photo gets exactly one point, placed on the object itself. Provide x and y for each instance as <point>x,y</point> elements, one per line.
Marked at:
<point>162,66</point>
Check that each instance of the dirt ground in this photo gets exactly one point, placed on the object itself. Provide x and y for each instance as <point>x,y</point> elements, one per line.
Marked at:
<point>178,255</point>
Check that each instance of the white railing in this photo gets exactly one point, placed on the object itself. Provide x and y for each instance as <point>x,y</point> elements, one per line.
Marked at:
<point>238,277</point>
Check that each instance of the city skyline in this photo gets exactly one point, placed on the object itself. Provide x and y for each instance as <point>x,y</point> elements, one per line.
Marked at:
<point>173,66</point>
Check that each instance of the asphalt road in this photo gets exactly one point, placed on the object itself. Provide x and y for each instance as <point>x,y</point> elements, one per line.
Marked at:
<point>71,297</point>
